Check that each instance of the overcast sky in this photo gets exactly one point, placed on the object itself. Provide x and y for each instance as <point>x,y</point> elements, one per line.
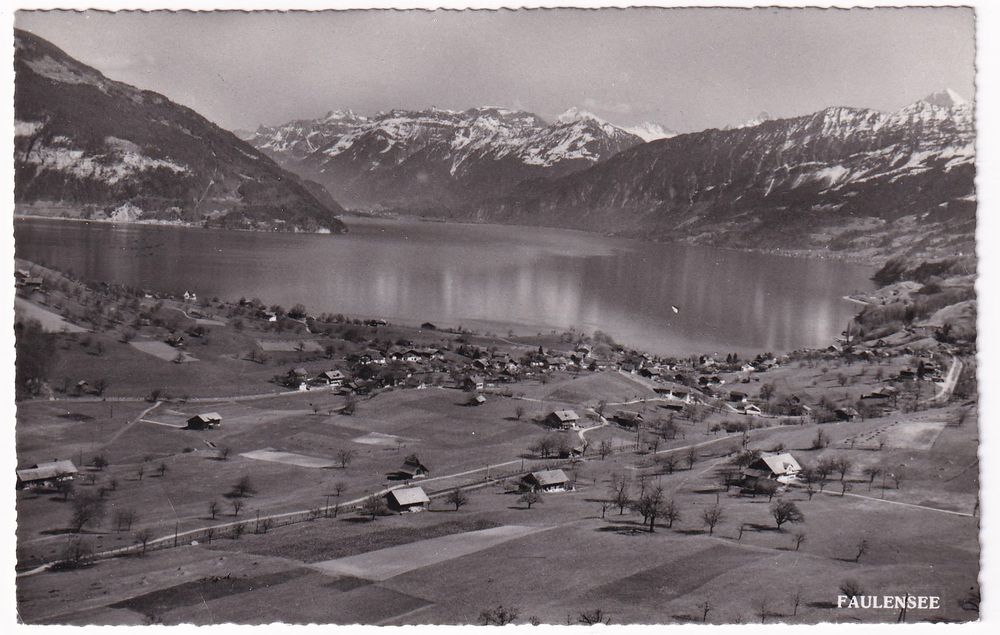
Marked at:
<point>688,69</point>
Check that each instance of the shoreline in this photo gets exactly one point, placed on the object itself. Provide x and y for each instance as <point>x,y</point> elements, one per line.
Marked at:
<point>180,224</point>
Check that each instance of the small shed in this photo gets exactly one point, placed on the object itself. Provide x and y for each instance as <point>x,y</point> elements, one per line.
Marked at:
<point>407,499</point>
<point>46,474</point>
<point>205,421</point>
<point>546,481</point>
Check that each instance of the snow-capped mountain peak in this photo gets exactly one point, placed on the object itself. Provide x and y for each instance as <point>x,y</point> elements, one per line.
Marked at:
<point>946,98</point>
<point>575,114</point>
<point>650,131</point>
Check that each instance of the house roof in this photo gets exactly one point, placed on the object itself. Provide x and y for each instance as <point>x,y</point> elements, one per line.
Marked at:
<point>550,477</point>
<point>44,471</point>
<point>566,415</point>
<point>627,415</point>
<point>332,374</point>
<point>409,496</point>
<point>207,417</point>
<point>781,464</point>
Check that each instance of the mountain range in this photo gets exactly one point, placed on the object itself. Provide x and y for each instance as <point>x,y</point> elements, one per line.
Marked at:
<point>860,181</point>
<point>425,159</point>
<point>842,178</point>
<point>87,146</point>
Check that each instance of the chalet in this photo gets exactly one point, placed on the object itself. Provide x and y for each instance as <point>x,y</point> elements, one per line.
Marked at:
<point>175,340</point>
<point>751,409</point>
<point>846,414</point>
<point>651,372</point>
<point>205,421</point>
<point>190,296</point>
<point>474,382</point>
<point>627,418</point>
<point>737,396</point>
<point>546,481</point>
<point>407,499</point>
<point>412,468</point>
<point>478,400</point>
<point>428,326</point>
<point>45,474</point>
<point>673,407</point>
<point>778,467</point>
<point>408,355</point>
<point>332,378</point>
<point>562,419</point>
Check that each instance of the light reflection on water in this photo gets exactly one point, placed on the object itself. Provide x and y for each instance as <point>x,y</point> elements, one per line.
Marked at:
<point>525,279</point>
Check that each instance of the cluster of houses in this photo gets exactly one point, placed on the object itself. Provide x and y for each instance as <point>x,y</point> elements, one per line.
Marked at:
<point>413,498</point>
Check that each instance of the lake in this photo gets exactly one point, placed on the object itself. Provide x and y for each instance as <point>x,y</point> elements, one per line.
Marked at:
<point>484,277</point>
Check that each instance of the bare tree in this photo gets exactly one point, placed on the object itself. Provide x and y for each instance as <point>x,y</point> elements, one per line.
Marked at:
<point>224,453</point>
<point>86,509</point>
<point>237,506</point>
<point>651,505</point>
<point>799,537</point>
<point>499,616</point>
<point>671,512</point>
<point>594,616</point>
<point>763,609</point>
<point>161,469</point>
<point>530,497</point>
<point>518,412</point>
<point>604,448</point>
<point>143,536</point>
<point>77,552</point>
<point>712,516</point>
<point>457,498</point>
<point>344,457</point>
<point>705,607</point>
<point>796,601</point>
<point>872,472</point>
<point>373,506</point>
<point>242,488</point>
<point>691,457</point>
<point>786,512</point>
<point>620,492</point>
<point>213,509</point>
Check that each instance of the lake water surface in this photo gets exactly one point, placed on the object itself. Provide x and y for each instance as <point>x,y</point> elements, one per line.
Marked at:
<point>486,277</point>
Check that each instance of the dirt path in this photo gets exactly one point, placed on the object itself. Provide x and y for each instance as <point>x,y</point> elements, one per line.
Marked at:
<point>129,425</point>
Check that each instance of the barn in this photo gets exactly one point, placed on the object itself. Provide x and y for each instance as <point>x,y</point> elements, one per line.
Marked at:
<point>407,499</point>
<point>205,421</point>
<point>778,467</point>
<point>546,481</point>
<point>46,474</point>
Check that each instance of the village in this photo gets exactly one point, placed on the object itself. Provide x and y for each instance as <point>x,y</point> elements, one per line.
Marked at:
<point>267,449</point>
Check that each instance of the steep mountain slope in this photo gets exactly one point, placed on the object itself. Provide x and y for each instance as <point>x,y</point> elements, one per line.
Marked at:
<point>841,178</point>
<point>86,145</point>
<point>435,158</point>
